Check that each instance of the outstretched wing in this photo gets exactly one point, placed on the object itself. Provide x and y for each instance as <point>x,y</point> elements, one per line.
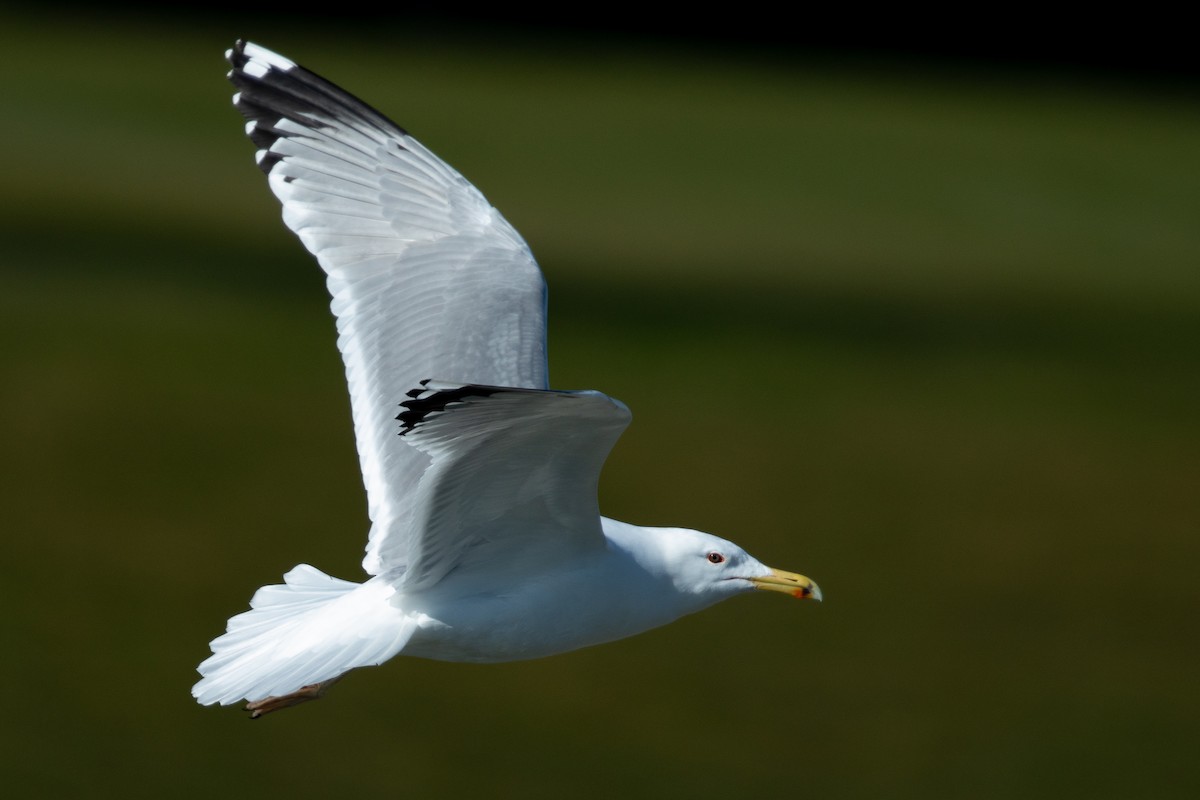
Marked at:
<point>426,277</point>
<point>513,476</point>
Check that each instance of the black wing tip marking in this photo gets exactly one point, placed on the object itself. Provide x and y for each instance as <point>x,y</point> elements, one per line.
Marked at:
<point>275,89</point>
<point>424,402</point>
<point>432,398</point>
<point>236,55</point>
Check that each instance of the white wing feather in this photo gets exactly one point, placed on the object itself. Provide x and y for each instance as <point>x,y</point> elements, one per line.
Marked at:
<point>427,279</point>
<point>512,483</point>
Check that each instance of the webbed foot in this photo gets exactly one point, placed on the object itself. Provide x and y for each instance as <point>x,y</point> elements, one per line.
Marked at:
<point>314,691</point>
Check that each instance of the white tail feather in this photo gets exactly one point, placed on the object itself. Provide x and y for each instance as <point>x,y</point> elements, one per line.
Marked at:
<point>311,628</point>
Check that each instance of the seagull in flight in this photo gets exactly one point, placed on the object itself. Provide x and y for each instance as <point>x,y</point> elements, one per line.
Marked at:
<point>486,542</point>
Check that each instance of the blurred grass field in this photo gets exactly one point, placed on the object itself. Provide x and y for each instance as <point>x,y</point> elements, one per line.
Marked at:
<point>929,337</point>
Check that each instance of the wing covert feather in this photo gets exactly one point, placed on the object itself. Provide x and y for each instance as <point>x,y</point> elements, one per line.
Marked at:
<point>513,476</point>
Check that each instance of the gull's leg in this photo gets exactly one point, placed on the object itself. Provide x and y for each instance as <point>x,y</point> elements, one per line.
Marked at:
<point>314,691</point>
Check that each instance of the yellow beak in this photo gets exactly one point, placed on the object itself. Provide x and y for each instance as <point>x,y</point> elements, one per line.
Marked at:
<point>788,583</point>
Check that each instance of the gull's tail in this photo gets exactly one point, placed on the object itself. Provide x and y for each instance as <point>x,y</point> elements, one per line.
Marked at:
<point>310,629</point>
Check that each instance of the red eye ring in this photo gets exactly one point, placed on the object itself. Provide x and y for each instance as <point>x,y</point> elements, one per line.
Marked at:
<point>715,558</point>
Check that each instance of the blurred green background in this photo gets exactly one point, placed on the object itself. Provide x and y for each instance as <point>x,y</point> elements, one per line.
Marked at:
<point>929,334</point>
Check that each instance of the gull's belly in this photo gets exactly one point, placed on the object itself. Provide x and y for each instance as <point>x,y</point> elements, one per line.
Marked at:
<point>535,620</point>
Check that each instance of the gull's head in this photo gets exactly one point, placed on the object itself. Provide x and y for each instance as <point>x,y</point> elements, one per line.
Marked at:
<point>712,568</point>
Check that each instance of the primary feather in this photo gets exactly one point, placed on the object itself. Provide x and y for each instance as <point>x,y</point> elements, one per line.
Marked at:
<point>427,279</point>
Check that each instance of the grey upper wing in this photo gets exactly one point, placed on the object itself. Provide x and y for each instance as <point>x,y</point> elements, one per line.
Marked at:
<point>426,277</point>
<point>513,475</point>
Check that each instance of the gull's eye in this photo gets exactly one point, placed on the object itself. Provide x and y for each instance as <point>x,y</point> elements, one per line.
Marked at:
<point>715,557</point>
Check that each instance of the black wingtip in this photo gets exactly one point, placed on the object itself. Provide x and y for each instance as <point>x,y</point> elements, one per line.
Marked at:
<point>424,402</point>
<point>271,88</point>
<point>236,55</point>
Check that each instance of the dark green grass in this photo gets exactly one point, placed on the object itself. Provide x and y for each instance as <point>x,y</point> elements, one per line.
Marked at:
<point>929,339</point>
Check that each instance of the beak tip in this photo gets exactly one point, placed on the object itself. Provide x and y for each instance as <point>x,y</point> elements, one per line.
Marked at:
<point>798,586</point>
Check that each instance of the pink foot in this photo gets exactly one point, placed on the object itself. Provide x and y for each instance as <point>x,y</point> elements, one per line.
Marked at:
<point>314,691</point>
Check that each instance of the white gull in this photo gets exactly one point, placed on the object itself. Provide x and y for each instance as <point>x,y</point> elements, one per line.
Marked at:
<point>486,543</point>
